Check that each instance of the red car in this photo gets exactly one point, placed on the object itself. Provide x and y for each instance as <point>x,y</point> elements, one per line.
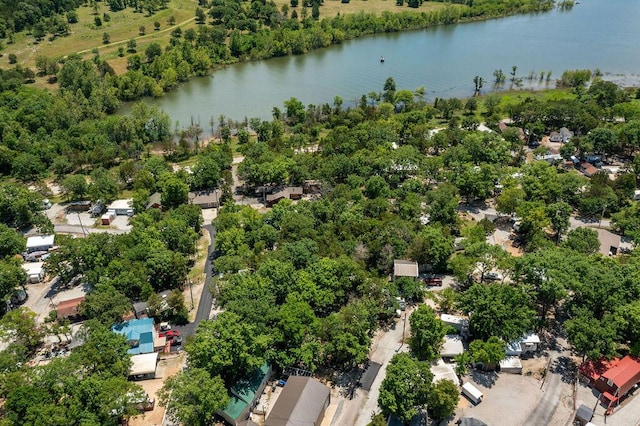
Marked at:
<point>170,334</point>
<point>433,281</point>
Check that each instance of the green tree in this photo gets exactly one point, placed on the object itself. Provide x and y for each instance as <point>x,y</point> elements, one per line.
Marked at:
<point>227,347</point>
<point>105,304</point>
<point>583,240</point>
<point>174,192</point>
<point>103,351</point>
<point>427,333</point>
<point>432,246</point>
<point>104,186</point>
<point>559,214</point>
<point>11,242</point>
<point>20,326</point>
<point>406,387</point>
<point>489,352</point>
<point>192,397</point>
<point>443,399</point>
<point>12,276</point>
<point>74,187</point>
<point>497,309</point>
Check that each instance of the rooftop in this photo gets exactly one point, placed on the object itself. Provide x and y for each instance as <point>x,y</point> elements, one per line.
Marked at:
<point>143,363</point>
<point>40,241</point>
<point>301,402</point>
<point>405,268</point>
<point>69,308</point>
<point>244,391</point>
<point>120,204</point>
<point>139,333</point>
<point>624,371</point>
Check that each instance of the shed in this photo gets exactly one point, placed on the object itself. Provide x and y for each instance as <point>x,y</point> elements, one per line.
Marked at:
<point>312,187</point>
<point>303,401</point>
<point>244,394</point>
<point>155,201</point>
<point>69,308</point>
<point>121,207</point>
<point>40,243</point>
<point>609,242</point>
<point>584,415</point>
<point>209,199</point>
<point>107,218</point>
<point>405,268</point>
<point>452,346</point>
<point>143,366</point>
<point>443,371</point>
<point>511,365</point>
<point>588,169</point>
<point>35,272</point>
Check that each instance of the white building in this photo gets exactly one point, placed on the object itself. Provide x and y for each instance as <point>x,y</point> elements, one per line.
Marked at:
<point>40,243</point>
<point>121,207</point>
<point>452,346</point>
<point>527,344</point>
<point>35,272</point>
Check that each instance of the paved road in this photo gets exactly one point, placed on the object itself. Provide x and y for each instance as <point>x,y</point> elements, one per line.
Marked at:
<point>81,230</point>
<point>206,298</point>
<point>554,386</point>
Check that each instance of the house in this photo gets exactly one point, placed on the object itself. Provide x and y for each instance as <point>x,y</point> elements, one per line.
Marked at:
<point>549,158</point>
<point>511,365</point>
<point>459,323</point>
<point>303,401</point>
<point>565,134</point>
<point>35,272</point>
<point>405,268</point>
<point>69,309</point>
<point>141,335</point>
<point>588,169</point>
<point>121,207</point>
<point>244,394</point>
<point>209,199</point>
<point>143,366</point>
<point>589,371</point>
<point>452,346</point>
<point>312,187</point>
<point>609,242</point>
<point>526,345</point>
<point>155,201</point>
<point>555,137</point>
<point>290,192</point>
<point>40,243</point>
<point>444,371</point>
<point>617,381</point>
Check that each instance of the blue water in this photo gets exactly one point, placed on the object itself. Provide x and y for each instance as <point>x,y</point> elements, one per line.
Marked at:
<point>600,34</point>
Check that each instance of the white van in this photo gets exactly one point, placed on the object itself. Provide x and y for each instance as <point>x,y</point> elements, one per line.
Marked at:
<point>472,392</point>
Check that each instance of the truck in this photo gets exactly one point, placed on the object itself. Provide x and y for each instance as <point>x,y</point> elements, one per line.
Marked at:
<point>473,393</point>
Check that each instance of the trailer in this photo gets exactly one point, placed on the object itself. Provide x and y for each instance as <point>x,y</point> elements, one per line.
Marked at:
<point>472,392</point>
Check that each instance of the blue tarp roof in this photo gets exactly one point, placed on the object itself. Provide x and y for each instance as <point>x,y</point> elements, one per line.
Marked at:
<point>139,332</point>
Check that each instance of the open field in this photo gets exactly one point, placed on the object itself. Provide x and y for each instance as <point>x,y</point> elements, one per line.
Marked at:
<point>124,25</point>
<point>85,36</point>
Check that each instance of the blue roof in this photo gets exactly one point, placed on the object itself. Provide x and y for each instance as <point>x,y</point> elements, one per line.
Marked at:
<point>139,334</point>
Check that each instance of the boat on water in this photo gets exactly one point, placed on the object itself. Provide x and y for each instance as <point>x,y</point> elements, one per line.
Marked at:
<point>381,58</point>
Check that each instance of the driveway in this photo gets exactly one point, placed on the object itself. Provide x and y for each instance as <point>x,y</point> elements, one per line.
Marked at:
<point>206,298</point>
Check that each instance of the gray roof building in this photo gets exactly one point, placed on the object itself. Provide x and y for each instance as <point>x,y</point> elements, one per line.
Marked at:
<point>405,268</point>
<point>302,402</point>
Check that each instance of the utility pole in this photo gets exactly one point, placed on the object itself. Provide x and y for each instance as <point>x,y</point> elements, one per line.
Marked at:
<point>191,291</point>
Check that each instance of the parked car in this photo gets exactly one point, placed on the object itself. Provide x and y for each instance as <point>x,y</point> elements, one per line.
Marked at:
<point>432,281</point>
<point>493,276</point>
<point>164,326</point>
<point>170,334</point>
<point>176,341</point>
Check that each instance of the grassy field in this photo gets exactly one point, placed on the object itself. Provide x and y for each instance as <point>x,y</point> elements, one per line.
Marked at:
<point>85,36</point>
<point>124,25</point>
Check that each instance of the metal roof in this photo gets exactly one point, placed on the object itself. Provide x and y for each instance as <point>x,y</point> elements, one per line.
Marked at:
<point>301,402</point>
<point>143,363</point>
<point>405,268</point>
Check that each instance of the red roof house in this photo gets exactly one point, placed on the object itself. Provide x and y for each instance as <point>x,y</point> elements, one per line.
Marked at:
<point>69,308</point>
<point>618,380</point>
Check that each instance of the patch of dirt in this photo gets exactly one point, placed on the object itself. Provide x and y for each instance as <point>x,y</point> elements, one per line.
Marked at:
<point>167,367</point>
<point>534,367</point>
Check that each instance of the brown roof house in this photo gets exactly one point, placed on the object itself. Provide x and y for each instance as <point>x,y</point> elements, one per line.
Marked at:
<point>68,309</point>
<point>609,242</point>
<point>291,192</point>
<point>303,402</point>
<point>405,268</point>
<point>206,199</point>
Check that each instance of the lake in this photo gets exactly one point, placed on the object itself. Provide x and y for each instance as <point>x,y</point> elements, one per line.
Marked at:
<point>600,34</point>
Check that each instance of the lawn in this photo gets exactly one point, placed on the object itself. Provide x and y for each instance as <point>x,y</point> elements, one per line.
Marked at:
<point>124,25</point>
<point>85,36</point>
